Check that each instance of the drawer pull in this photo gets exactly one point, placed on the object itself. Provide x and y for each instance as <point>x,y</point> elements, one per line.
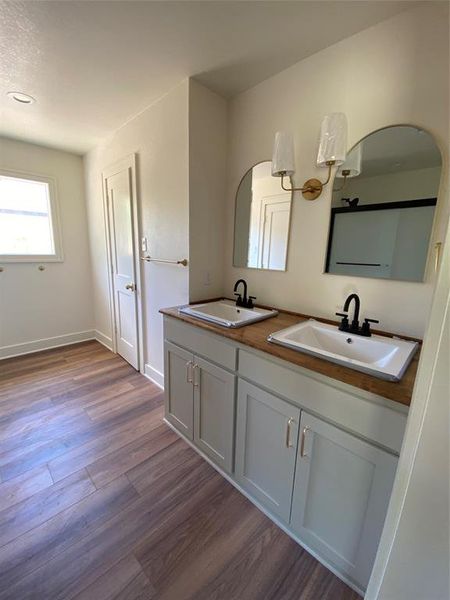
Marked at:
<point>189,371</point>
<point>288,433</point>
<point>196,376</point>
<point>302,445</point>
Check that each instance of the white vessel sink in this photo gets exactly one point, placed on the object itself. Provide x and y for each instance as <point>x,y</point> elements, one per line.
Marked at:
<point>227,314</point>
<point>383,357</point>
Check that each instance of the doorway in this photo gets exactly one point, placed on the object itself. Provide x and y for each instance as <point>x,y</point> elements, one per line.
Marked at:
<point>122,228</point>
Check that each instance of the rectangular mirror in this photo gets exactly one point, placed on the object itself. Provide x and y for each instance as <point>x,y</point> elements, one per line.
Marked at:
<point>262,221</point>
<point>383,206</point>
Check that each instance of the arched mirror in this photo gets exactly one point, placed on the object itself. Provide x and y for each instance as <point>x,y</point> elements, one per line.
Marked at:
<point>262,220</point>
<point>383,205</point>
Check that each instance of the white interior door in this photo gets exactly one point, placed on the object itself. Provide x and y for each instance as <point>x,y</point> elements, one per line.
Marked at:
<point>119,191</point>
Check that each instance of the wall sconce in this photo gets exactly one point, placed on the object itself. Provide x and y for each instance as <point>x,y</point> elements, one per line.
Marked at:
<point>332,151</point>
<point>351,167</point>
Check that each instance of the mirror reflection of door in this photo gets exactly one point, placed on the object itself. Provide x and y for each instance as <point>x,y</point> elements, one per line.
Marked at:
<point>383,205</point>
<point>262,221</point>
<point>275,212</point>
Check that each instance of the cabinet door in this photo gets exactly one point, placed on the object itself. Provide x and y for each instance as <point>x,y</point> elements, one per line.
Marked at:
<point>341,493</point>
<point>179,394</point>
<point>266,446</point>
<point>214,412</point>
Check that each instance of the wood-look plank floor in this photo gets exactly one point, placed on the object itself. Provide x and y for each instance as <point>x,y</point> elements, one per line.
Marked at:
<point>100,500</point>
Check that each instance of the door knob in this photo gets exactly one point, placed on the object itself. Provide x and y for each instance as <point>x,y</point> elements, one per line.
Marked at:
<point>130,286</point>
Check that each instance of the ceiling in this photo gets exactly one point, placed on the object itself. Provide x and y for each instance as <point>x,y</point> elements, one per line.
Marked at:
<point>398,148</point>
<point>92,65</point>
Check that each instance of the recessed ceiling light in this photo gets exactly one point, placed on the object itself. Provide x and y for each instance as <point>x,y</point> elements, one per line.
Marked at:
<point>21,97</point>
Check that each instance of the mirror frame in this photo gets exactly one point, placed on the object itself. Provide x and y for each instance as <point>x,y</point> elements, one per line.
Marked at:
<point>432,244</point>
<point>234,224</point>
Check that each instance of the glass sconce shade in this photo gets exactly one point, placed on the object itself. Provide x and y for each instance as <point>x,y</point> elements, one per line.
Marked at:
<point>283,158</point>
<point>352,164</point>
<point>333,140</point>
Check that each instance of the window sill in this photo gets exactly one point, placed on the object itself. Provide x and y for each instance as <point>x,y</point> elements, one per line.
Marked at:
<point>31,259</point>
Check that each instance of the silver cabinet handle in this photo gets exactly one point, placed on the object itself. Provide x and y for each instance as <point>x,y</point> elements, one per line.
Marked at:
<point>189,371</point>
<point>288,432</point>
<point>302,445</point>
<point>196,376</point>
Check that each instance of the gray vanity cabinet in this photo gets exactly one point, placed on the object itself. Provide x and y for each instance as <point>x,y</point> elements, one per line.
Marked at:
<point>179,398</point>
<point>214,412</point>
<point>341,493</point>
<point>266,446</point>
<point>199,398</point>
<point>327,478</point>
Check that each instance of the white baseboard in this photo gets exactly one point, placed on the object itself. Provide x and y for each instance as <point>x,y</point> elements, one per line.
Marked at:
<point>103,339</point>
<point>45,344</point>
<point>154,376</point>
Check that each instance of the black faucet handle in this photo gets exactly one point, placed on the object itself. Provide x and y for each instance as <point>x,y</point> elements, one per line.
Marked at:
<point>365,329</point>
<point>344,326</point>
<point>238,299</point>
<point>250,301</point>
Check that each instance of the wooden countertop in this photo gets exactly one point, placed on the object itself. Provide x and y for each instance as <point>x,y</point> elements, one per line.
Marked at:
<point>255,336</point>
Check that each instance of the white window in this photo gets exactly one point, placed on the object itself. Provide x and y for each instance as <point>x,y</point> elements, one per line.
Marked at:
<point>29,225</point>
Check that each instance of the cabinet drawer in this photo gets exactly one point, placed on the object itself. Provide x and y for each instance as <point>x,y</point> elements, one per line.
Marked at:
<point>348,409</point>
<point>202,343</point>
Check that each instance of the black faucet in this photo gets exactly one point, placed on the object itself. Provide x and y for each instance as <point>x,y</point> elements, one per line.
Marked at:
<point>355,321</point>
<point>243,300</point>
<point>354,326</point>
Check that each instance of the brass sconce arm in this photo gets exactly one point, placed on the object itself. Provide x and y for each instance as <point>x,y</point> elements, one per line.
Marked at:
<point>345,174</point>
<point>311,188</point>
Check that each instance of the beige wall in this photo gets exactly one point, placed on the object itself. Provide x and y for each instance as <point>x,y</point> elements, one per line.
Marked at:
<point>207,176</point>
<point>381,76</point>
<point>38,306</point>
<point>159,137</point>
<point>413,559</point>
<point>419,561</point>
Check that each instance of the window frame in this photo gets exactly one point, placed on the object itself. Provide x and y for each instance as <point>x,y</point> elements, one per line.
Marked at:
<point>58,255</point>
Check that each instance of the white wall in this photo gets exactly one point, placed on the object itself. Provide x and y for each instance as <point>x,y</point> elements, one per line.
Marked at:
<point>207,176</point>
<point>39,309</point>
<point>419,566</point>
<point>381,76</point>
<point>180,143</point>
<point>413,559</point>
<point>159,137</point>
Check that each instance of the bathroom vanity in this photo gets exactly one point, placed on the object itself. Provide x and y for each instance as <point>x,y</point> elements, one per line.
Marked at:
<point>311,443</point>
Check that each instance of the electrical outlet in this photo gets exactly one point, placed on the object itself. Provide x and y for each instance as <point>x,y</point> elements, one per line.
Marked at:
<point>207,278</point>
